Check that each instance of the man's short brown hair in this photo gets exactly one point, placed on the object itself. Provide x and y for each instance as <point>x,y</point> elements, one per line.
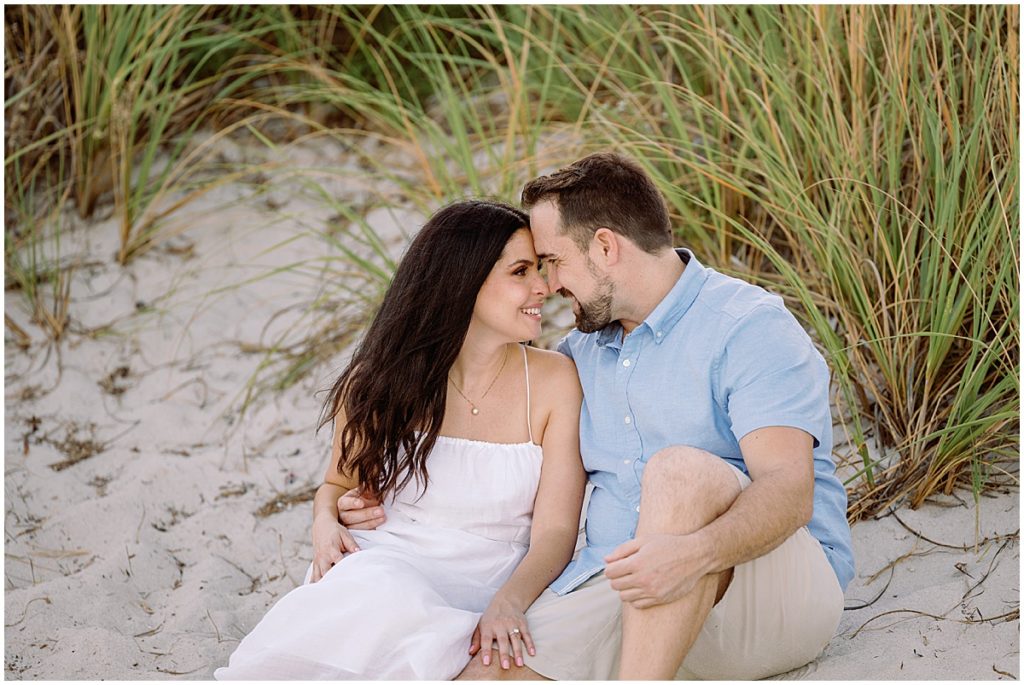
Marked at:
<point>605,190</point>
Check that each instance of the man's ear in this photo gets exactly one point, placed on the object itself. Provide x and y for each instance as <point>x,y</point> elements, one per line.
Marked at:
<point>606,243</point>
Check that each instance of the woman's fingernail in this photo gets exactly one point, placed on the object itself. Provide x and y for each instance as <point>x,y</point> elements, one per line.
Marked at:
<point>504,664</point>
<point>533,652</point>
<point>519,661</point>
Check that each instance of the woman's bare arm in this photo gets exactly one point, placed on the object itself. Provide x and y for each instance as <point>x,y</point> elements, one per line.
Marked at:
<point>335,484</point>
<point>331,541</point>
<point>556,514</point>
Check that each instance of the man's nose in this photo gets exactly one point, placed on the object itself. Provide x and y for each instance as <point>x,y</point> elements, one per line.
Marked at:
<point>540,287</point>
<point>552,281</point>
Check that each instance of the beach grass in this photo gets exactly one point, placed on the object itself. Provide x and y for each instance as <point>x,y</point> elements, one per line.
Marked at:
<point>860,161</point>
<point>863,163</point>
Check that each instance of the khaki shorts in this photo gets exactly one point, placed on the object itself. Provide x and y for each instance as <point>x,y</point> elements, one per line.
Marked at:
<point>779,613</point>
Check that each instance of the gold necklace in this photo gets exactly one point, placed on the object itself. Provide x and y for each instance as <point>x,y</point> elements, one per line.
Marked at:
<point>474,410</point>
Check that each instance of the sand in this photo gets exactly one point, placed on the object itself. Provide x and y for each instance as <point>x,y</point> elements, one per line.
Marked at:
<point>136,544</point>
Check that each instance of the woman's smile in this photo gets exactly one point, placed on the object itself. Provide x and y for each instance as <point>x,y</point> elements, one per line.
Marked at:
<point>532,313</point>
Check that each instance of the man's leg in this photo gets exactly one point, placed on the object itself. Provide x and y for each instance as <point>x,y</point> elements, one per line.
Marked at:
<point>475,670</point>
<point>683,490</point>
<point>780,613</point>
<point>578,637</point>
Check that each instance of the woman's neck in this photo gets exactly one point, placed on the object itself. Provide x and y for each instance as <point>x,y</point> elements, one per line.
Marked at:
<point>478,362</point>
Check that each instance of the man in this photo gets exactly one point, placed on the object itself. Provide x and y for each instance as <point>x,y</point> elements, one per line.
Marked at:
<point>716,538</point>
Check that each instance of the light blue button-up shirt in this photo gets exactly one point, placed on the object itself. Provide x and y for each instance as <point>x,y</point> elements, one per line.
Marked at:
<point>715,360</point>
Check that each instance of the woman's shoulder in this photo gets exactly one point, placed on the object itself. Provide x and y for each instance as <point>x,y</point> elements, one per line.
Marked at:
<point>552,369</point>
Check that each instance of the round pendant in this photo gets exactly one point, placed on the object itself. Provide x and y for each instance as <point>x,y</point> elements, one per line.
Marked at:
<point>475,411</point>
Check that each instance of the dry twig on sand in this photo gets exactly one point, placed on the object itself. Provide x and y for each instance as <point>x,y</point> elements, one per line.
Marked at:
<point>285,499</point>
<point>1008,675</point>
<point>963,548</point>
<point>253,580</point>
<point>215,628</point>
<point>75,448</point>
<point>1012,615</point>
<point>25,612</point>
<point>865,605</point>
<point>148,633</point>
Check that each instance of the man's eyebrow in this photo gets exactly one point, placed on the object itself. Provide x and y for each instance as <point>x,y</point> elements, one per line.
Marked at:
<point>544,256</point>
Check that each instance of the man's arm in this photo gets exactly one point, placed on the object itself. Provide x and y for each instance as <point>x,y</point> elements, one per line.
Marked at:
<point>358,511</point>
<point>779,500</point>
<point>775,387</point>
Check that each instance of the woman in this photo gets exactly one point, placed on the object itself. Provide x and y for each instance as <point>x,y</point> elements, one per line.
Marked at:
<point>470,440</point>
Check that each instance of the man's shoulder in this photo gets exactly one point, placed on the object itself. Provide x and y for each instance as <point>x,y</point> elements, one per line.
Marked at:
<point>576,341</point>
<point>732,299</point>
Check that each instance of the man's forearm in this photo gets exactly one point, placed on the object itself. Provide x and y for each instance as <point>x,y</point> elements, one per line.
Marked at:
<point>764,515</point>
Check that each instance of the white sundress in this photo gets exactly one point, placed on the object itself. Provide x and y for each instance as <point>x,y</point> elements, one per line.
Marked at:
<point>406,605</point>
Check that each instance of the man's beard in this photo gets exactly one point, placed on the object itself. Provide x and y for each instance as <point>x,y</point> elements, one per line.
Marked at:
<point>597,313</point>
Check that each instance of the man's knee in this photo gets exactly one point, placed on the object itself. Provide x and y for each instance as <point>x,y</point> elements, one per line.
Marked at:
<point>691,477</point>
<point>475,670</point>
<point>685,465</point>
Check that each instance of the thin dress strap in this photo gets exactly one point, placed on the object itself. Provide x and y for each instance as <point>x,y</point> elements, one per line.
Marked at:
<point>526,364</point>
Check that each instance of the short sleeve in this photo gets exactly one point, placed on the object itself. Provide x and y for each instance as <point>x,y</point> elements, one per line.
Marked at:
<point>770,374</point>
<point>564,347</point>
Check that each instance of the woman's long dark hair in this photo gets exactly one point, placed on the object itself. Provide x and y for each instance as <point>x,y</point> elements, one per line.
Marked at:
<point>394,389</point>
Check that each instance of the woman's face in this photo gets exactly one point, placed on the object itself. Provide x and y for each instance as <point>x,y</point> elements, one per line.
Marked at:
<point>510,299</point>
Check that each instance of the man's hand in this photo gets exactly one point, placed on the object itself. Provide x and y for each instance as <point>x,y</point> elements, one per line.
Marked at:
<point>656,569</point>
<point>359,512</point>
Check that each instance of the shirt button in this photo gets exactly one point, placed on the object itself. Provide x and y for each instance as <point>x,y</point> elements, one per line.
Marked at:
<point>625,461</point>
<point>628,420</point>
<point>658,334</point>
<point>638,508</point>
<point>626,363</point>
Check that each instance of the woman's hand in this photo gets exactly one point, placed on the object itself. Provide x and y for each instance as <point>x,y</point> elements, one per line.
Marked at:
<point>505,623</point>
<point>331,542</point>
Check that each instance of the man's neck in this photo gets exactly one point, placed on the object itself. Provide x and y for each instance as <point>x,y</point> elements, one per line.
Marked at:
<point>647,285</point>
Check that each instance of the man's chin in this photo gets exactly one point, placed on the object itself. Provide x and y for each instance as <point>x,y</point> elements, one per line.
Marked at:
<point>585,321</point>
<point>585,325</point>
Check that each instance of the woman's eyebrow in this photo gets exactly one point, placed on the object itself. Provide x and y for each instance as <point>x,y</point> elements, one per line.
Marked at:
<point>527,262</point>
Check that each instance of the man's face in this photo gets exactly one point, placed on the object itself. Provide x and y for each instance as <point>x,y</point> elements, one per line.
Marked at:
<point>571,272</point>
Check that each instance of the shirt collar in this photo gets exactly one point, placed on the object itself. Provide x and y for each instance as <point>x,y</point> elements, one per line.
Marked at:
<point>670,309</point>
<point>610,335</point>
